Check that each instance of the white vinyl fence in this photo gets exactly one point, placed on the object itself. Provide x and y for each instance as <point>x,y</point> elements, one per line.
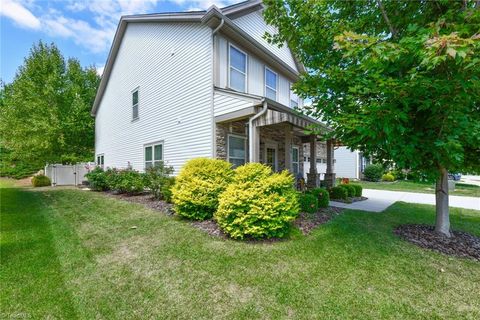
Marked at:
<point>68,175</point>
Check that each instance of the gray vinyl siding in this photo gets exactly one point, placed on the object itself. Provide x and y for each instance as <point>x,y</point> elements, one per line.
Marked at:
<point>171,64</point>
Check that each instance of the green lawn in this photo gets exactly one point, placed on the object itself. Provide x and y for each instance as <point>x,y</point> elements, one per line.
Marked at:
<point>461,189</point>
<point>72,254</point>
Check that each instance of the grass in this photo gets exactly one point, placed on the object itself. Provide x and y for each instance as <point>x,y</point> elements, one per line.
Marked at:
<point>461,189</point>
<point>73,254</point>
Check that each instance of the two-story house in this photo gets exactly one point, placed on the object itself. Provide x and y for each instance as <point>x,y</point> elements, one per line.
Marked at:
<point>177,86</point>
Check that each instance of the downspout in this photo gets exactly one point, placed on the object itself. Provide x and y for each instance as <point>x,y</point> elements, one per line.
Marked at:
<point>251,143</point>
<point>214,58</point>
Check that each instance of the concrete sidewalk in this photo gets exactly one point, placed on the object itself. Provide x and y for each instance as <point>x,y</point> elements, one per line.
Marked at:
<point>379,200</point>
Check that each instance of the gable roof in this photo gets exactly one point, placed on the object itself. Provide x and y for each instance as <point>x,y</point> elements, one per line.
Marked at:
<point>213,17</point>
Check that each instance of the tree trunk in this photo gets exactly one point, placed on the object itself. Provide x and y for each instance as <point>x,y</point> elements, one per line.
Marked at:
<point>442,223</point>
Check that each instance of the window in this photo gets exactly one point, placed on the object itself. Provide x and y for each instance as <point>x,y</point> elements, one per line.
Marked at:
<point>135,104</point>
<point>270,84</point>
<point>271,157</point>
<point>295,161</point>
<point>236,150</point>
<point>100,160</point>
<point>153,154</point>
<point>238,70</point>
<point>293,99</point>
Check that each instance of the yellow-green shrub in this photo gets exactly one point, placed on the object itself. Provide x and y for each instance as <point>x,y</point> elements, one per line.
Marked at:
<point>388,177</point>
<point>41,180</point>
<point>257,204</point>
<point>198,186</point>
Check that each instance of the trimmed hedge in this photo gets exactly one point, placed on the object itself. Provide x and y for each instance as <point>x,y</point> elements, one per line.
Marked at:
<point>258,203</point>
<point>41,181</point>
<point>351,191</point>
<point>388,177</point>
<point>97,179</point>
<point>338,193</point>
<point>373,172</point>
<point>358,189</point>
<point>198,186</point>
<point>308,202</point>
<point>127,181</point>
<point>322,196</point>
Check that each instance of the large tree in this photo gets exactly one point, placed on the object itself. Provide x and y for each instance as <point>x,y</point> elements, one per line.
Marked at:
<point>399,80</point>
<point>45,111</point>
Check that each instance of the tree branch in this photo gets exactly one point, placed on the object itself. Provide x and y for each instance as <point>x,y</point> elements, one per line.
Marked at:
<point>387,20</point>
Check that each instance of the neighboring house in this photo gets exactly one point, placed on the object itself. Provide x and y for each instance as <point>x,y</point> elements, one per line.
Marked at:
<point>178,86</point>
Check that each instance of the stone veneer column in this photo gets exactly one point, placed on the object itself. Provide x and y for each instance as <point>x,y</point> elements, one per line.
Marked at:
<point>330,174</point>
<point>313,176</point>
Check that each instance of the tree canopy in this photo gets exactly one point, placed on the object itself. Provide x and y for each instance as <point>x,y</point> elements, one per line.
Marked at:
<point>399,80</point>
<point>45,111</point>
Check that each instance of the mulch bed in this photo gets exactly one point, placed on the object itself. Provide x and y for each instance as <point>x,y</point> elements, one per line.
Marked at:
<point>147,200</point>
<point>351,200</point>
<point>306,222</point>
<point>460,244</point>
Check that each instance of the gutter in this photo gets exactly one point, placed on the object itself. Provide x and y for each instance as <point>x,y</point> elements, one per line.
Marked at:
<point>251,143</point>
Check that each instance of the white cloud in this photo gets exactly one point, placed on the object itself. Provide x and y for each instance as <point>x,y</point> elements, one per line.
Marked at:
<point>20,14</point>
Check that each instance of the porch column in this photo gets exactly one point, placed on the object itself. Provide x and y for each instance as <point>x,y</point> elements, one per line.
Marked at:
<point>313,176</point>
<point>330,174</point>
<point>288,147</point>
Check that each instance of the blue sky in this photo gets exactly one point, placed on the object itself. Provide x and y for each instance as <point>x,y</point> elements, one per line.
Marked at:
<point>81,29</point>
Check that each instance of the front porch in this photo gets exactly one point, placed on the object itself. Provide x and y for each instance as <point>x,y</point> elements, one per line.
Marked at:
<point>274,137</point>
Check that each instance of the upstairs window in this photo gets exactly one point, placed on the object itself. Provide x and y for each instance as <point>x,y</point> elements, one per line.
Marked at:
<point>293,99</point>
<point>271,80</point>
<point>153,154</point>
<point>135,104</point>
<point>237,70</point>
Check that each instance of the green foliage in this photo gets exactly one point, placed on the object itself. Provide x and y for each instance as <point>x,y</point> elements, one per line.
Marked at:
<point>166,190</point>
<point>45,111</point>
<point>338,193</point>
<point>258,203</point>
<point>198,186</point>
<point>97,178</point>
<point>351,190</point>
<point>129,181</point>
<point>308,202</point>
<point>322,195</point>
<point>13,168</point>
<point>358,189</point>
<point>41,181</point>
<point>388,177</point>
<point>157,177</point>
<point>373,172</point>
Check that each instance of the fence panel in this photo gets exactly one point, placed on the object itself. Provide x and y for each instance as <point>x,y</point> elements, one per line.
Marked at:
<point>68,175</point>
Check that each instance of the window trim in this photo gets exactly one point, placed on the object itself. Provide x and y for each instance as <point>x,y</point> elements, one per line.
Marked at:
<point>230,45</point>
<point>137,89</point>
<point>153,144</point>
<point>244,144</point>
<point>102,157</point>
<point>298,159</point>
<point>267,86</point>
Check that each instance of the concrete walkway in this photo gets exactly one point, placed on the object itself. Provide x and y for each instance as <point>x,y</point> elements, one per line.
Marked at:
<point>379,200</point>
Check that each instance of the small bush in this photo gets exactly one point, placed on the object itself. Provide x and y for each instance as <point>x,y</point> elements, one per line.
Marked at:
<point>388,177</point>
<point>399,174</point>
<point>97,179</point>
<point>338,193</point>
<point>257,204</point>
<point>156,177</point>
<point>41,181</point>
<point>198,186</point>
<point>166,190</point>
<point>322,196</point>
<point>373,172</point>
<point>125,181</point>
<point>358,189</point>
<point>351,191</point>
<point>308,202</point>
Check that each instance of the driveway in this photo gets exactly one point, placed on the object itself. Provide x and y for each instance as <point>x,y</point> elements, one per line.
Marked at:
<point>379,200</point>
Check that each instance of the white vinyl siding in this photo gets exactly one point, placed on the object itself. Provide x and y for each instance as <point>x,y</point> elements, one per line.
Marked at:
<point>237,146</point>
<point>271,84</point>
<point>226,103</point>
<point>172,64</point>
<point>237,69</point>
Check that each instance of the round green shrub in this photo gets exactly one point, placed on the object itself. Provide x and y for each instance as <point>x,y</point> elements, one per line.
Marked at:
<point>308,202</point>
<point>358,189</point>
<point>338,193</point>
<point>373,172</point>
<point>97,179</point>
<point>41,181</point>
<point>198,186</point>
<point>129,181</point>
<point>257,204</point>
<point>322,196</point>
<point>158,180</point>
<point>351,191</point>
<point>388,177</point>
